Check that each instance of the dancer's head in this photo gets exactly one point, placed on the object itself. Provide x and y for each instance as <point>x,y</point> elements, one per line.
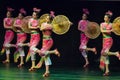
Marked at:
<point>50,16</point>
<point>85,14</point>
<point>22,13</point>
<point>35,12</point>
<point>9,11</point>
<point>108,16</point>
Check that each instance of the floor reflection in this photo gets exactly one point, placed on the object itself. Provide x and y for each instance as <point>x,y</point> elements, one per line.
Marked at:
<point>11,72</point>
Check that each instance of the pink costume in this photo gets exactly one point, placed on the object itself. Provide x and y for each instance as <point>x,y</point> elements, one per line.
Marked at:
<point>47,42</point>
<point>35,38</point>
<point>21,36</point>
<point>9,35</point>
<point>107,43</point>
<point>83,39</point>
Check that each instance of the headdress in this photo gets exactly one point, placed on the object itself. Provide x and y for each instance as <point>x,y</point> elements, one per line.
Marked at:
<point>36,10</point>
<point>10,9</point>
<point>22,11</point>
<point>109,13</point>
<point>52,14</point>
<point>85,11</point>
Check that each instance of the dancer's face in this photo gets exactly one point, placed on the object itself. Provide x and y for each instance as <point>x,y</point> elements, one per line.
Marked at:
<point>8,14</point>
<point>48,19</point>
<point>34,15</point>
<point>106,18</point>
<point>20,16</point>
<point>84,17</point>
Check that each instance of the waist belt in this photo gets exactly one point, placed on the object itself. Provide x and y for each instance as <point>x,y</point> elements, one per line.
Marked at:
<point>46,37</point>
<point>34,33</point>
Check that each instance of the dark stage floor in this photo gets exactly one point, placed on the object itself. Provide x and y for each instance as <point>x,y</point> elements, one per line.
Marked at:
<point>11,72</point>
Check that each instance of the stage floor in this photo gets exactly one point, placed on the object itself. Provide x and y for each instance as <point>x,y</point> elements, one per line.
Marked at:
<point>11,72</point>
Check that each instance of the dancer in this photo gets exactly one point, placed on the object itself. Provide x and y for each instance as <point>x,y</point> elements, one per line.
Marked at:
<point>9,35</point>
<point>35,36</point>
<point>21,37</point>
<point>84,39</point>
<point>47,43</point>
<point>106,28</point>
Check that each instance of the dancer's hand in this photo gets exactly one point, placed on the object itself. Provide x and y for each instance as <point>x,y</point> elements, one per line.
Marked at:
<point>28,44</point>
<point>6,45</point>
<point>19,44</point>
<point>40,53</point>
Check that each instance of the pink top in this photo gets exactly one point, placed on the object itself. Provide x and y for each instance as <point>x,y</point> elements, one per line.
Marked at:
<point>46,26</point>
<point>33,22</point>
<point>82,25</point>
<point>18,22</point>
<point>8,22</point>
<point>106,26</point>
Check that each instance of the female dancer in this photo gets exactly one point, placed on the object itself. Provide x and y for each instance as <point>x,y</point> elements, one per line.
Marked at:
<point>106,28</point>
<point>21,37</point>
<point>84,39</point>
<point>9,35</point>
<point>46,29</point>
<point>35,36</point>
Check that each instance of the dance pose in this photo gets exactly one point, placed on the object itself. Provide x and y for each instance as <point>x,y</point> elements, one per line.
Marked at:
<point>9,35</point>
<point>106,28</point>
<point>21,37</point>
<point>83,38</point>
<point>47,43</point>
<point>46,29</point>
<point>35,38</point>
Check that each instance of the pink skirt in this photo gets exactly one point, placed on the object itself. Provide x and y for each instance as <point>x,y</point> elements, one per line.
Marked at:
<point>9,35</point>
<point>47,44</point>
<point>107,43</point>
<point>21,37</point>
<point>83,40</point>
<point>35,38</point>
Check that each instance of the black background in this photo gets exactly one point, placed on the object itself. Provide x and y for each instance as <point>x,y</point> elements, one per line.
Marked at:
<point>68,43</point>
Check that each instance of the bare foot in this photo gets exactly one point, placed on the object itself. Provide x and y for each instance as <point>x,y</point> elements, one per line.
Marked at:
<point>95,51</point>
<point>46,74</point>
<point>32,69</point>
<point>6,61</point>
<point>86,65</point>
<point>106,74</point>
<point>57,53</point>
<point>20,65</point>
<point>118,55</point>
